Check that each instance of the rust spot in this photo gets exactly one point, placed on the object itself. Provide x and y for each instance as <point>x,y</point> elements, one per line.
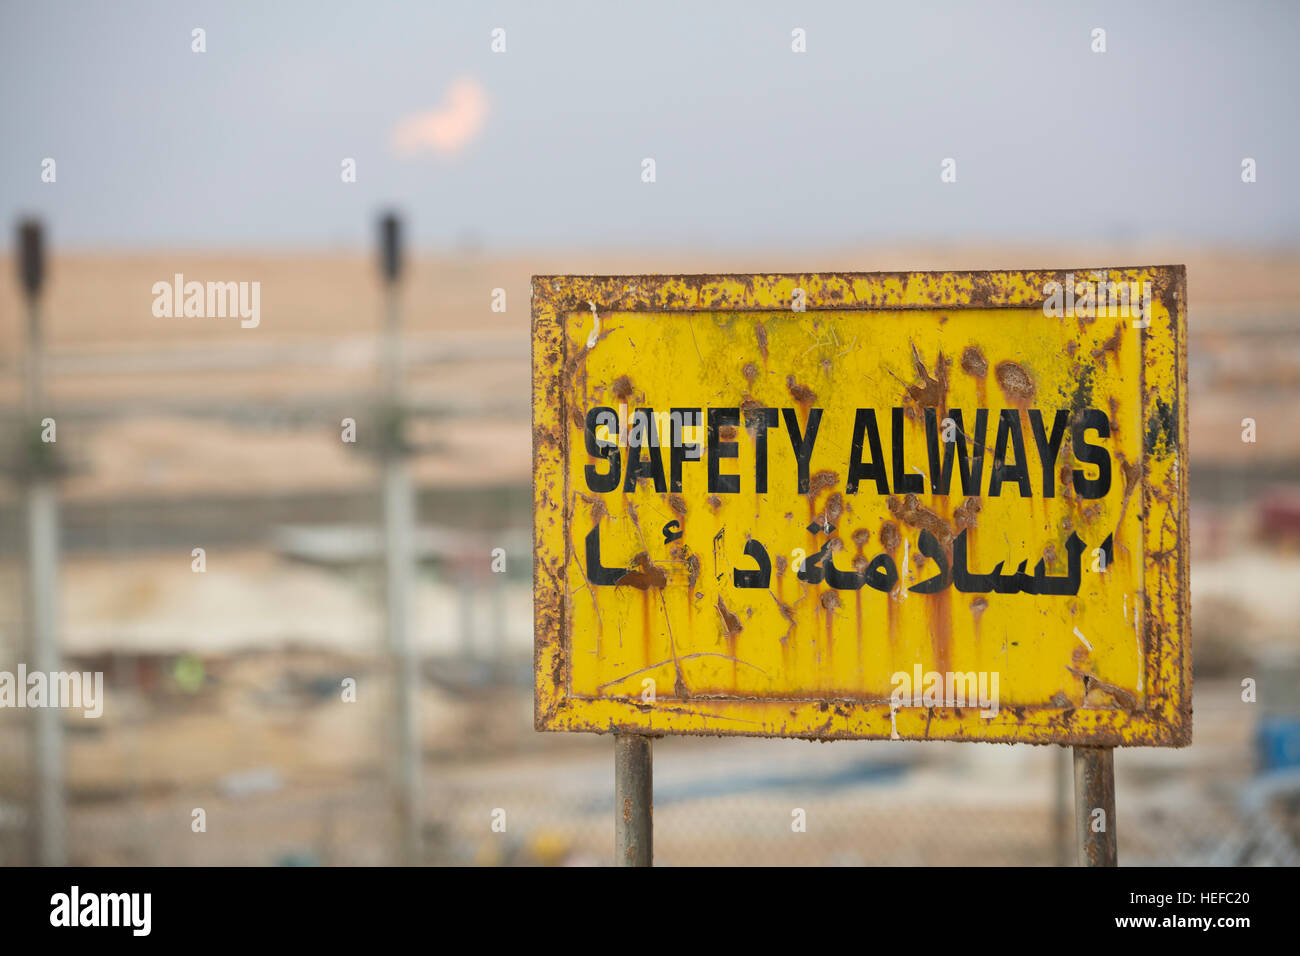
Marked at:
<point>760,332</point>
<point>829,600</point>
<point>1065,477</point>
<point>730,622</point>
<point>978,606</point>
<point>800,393</point>
<point>889,536</point>
<point>973,362</point>
<point>1111,345</point>
<point>714,502</point>
<point>692,569</point>
<point>747,405</point>
<point>597,505</point>
<point>644,575</point>
<point>860,537</point>
<point>750,371</point>
<point>781,564</point>
<point>622,388</point>
<point>1049,555</point>
<point>1096,692</point>
<point>728,432</point>
<point>821,480</point>
<point>911,511</point>
<point>678,504</point>
<point>966,514</point>
<point>1014,381</point>
<point>834,508</point>
<point>933,390</point>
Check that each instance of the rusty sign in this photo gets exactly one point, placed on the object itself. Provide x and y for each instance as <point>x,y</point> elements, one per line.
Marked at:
<point>894,505</point>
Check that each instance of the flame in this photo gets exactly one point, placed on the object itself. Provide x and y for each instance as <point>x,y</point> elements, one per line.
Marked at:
<point>449,128</point>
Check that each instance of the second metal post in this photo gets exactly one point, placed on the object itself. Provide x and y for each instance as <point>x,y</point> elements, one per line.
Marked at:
<point>633,801</point>
<point>399,567</point>
<point>1094,806</point>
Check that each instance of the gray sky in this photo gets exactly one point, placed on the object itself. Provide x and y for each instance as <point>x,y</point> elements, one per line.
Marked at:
<point>754,145</point>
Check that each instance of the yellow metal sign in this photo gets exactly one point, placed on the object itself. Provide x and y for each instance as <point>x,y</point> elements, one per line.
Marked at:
<point>895,505</point>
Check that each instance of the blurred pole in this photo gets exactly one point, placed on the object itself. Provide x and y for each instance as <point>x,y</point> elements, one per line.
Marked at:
<point>498,608</point>
<point>503,667</point>
<point>466,592</point>
<point>633,801</point>
<point>1060,836</point>
<point>399,519</point>
<point>1094,789</point>
<point>42,565</point>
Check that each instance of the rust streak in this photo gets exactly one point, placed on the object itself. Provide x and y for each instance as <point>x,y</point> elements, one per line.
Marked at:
<point>730,622</point>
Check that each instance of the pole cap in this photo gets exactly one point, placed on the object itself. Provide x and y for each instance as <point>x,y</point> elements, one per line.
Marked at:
<point>390,246</point>
<point>31,256</point>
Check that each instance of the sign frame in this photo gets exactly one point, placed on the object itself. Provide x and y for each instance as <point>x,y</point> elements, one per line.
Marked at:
<point>1166,718</point>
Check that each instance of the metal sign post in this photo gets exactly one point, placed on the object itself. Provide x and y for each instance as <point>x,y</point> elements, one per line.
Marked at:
<point>633,801</point>
<point>42,563</point>
<point>1094,806</point>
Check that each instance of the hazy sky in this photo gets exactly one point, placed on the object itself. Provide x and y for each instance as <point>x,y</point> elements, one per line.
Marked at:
<point>754,145</point>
